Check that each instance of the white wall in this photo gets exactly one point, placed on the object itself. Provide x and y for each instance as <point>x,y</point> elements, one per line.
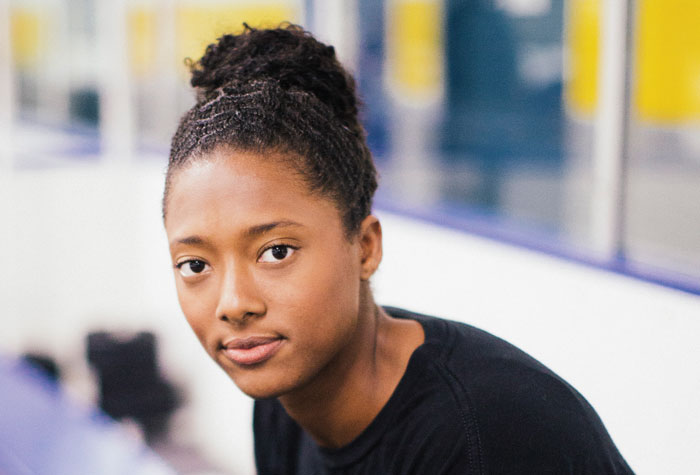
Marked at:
<point>84,248</point>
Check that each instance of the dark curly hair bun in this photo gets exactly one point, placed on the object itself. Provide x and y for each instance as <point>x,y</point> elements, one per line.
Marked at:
<point>281,90</point>
<point>288,55</point>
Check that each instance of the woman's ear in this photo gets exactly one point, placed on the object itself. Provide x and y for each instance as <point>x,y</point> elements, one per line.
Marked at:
<point>370,246</point>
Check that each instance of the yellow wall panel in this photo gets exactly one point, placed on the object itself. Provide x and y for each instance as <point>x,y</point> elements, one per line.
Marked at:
<point>199,26</point>
<point>415,46</point>
<point>26,27</point>
<point>583,33</point>
<point>668,60</point>
<point>142,38</point>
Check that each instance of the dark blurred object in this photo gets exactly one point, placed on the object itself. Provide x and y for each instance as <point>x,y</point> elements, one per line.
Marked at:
<point>130,383</point>
<point>44,363</point>
<point>85,106</point>
<point>496,118</point>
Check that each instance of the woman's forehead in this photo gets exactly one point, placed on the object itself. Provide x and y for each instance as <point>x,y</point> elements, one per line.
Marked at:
<point>234,190</point>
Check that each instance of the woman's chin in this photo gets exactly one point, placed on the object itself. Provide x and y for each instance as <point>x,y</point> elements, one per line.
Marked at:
<point>260,387</point>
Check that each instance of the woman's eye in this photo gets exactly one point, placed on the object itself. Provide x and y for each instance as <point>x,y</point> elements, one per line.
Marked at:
<point>193,267</point>
<point>276,253</point>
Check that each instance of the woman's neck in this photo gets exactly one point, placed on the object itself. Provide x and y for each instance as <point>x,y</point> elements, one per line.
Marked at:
<point>351,390</point>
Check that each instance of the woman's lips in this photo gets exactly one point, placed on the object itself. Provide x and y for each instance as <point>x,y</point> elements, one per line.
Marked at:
<point>252,350</point>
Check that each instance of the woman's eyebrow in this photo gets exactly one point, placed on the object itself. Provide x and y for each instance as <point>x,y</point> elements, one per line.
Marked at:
<point>251,232</point>
<point>259,229</point>
<point>189,241</point>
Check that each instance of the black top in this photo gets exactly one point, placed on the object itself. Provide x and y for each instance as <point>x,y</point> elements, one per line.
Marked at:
<point>468,403</point>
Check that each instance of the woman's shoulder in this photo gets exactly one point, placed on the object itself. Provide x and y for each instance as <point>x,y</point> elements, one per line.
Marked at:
<point>463,349</point>
<point>474,356</point>
<point>523,415</point>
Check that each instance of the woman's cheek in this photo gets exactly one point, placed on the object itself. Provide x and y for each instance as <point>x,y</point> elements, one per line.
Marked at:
<point>196,308</point>
<point>334,292</point>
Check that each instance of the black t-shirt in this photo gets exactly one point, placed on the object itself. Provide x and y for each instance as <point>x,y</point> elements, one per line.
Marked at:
<point>468,403</point>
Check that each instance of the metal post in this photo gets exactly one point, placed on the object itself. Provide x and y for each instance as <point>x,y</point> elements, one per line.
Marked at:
<point>116,117</point>
<point>166,113</point>
<point>335,23</point>
<point>7,90</point>
<point>610,146</point>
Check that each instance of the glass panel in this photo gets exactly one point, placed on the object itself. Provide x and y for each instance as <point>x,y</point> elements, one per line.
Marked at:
<point>54,54</point>
<point>491,119</point>
<point>663,189</point>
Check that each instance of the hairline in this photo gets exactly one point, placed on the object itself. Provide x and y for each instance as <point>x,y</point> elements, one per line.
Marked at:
<point>280,153</point>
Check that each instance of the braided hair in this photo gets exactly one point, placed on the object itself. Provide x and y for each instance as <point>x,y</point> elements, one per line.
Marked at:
<point>281,90</point>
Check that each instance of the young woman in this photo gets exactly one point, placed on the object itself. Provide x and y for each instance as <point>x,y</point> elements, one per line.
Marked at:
<point>267,209</point>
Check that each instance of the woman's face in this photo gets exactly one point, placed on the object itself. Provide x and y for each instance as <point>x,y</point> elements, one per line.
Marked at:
<point>265,274</point>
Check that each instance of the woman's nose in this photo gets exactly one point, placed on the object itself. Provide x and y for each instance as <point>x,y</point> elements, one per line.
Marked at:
<point>239,298</point>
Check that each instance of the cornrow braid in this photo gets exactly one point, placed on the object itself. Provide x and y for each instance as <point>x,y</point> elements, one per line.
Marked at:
<point>281,90</point>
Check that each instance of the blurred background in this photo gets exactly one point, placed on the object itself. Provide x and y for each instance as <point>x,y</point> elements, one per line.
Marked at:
<point>540,178</point>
